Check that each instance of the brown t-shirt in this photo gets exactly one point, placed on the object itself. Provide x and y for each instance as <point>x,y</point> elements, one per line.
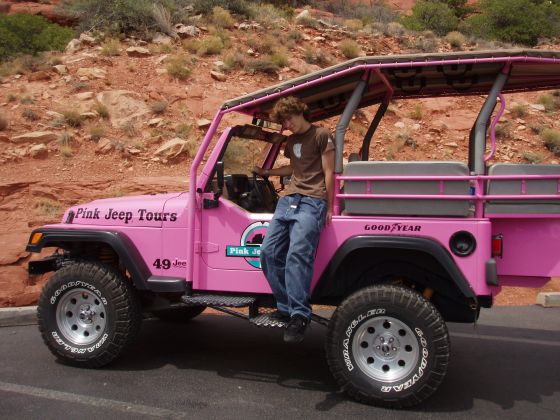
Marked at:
<point>305,151</point>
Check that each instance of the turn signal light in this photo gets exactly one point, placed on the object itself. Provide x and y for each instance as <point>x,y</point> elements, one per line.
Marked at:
<point>36,238</point>
<point>497,245</point>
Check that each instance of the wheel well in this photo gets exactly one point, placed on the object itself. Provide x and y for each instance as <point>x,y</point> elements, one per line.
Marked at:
<point>412,268</point>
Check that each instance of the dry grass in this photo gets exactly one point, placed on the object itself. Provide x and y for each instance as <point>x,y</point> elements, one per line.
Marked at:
<point>211,45</point>
<point>129,129</point>
<point>183,130</point>
<point>317,56</point>
<point>177,68</point>
<point>456,39</point>
<point>101,110</point>
<point>222,18</point>
<point>48,208</point>
<point>519,111</point>
<point>349,48</point>
<point>262,65</point>
<point>354,25</point>
<point>533,157</point>
<point>234,60</point>
<point>29,114</point>
<point>417,113</point>
<point>549,102</point>
<point>111,47</point>
<point>280,58</point>
<point>72,118</point>
<point>551,139</point>
<point>96,133</point>
<point>159,107</point>
<point>163,19</point>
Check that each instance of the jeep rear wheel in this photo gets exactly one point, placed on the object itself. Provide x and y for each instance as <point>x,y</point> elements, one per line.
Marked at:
<point>388,346</point>
<point>88,314</point>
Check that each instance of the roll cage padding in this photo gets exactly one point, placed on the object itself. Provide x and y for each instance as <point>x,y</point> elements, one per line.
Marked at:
<point>119,242</point>
<point>423,245</point>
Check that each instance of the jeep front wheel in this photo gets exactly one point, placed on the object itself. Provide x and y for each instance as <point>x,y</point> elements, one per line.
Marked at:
<point>388,346</point>
<point>88,313</point>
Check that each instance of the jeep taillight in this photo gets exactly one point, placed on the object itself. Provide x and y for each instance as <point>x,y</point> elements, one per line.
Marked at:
<point>497,245</point>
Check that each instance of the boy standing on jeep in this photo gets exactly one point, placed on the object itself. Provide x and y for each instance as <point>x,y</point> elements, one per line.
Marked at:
<point>288,250</point>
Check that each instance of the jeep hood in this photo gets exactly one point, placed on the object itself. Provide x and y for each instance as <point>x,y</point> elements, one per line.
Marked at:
<point>133,211</point>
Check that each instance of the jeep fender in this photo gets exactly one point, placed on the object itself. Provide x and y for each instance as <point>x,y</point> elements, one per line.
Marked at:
<point>119,242</point>
<point>422,245</point>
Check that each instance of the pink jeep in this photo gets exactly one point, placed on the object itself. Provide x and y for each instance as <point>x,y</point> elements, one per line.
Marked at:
<point>411,245</point>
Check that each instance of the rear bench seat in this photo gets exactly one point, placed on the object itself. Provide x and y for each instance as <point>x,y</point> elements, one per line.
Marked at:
<point>457,208</point>
<point>532,187</point>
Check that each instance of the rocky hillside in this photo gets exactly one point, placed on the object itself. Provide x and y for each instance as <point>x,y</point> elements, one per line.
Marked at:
<point>115,117</point>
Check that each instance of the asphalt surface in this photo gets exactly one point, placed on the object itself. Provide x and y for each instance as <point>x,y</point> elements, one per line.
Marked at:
<point>219,367</point>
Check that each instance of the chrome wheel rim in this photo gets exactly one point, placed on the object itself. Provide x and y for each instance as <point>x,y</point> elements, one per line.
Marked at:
<point>385,349</point>
<point>81,316</point>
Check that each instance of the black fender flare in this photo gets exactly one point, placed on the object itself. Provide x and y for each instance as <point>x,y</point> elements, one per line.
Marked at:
<point>118,241</point>
<point>424,245</point>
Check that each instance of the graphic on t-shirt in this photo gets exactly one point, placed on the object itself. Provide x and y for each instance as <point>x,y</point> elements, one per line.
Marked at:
<point>297,150</point>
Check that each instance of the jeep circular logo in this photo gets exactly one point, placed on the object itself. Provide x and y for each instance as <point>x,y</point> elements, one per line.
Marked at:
<point>250,244</point>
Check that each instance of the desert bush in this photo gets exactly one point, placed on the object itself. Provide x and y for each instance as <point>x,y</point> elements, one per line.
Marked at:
<point>111,47</point>
<point>48,207</point>
<point>3,123</point>
<point>354,24</point>
<point>129,129</point>
<point>262,65</point>
<point>234,60</point>
<point>295,36</point>
<point>26,100</point>
<point>222,18</point>
<point>177,68</point>
<point>349,48</point>
<point>183,130</point>
<point>239,7</point>
<point>163,19</point>
<point>535,128</point>
<point>373,11</point>
<point>517,21</point>
<point>159,107</point>
<point>394,29</point>
<point>72,118</point>
<point>503,130</point>
<point>533,157</point>
<point>280,58</point>
<point>456,39</point>
<point>77,86</point>
<point>307,21</point>
<point>263,45</point>
<point>29,114</point>
<point>267,14</point>
<point>101,110</point>
<point>417,113</point>
<point>30,34</point>
<point>114,17</point>
<point>551,139</point>
<point>65,144</point>
<point>548,101</point>
<point>317,56</point>
<point>432,15</point>
<point>208,46</point>
<point>424,44</point>
<point>96,133</point>
<point>519,111</point>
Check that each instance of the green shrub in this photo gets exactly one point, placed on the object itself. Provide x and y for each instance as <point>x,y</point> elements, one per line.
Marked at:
<point>519,111</point>
<point>239,7</point>
<point>112,16</point>
<point>72,118</point>
<point>349,48</point>
<point>3,123</point>
<point>455,39</point>
<point>279,58</point>
<point>96,133</point>
<point>222,18</point>
<point>317,56</point>
<point>517,21</point>
<point>234,60</point>
<point>101,110</point>
<point>30,34</point>
<point>431,15</point>
<point>548,101</point>
<point>262,65</point>
<point>29,114</point>
<point>177,68</point>
<point>551,139</point>
<point>159,107</point>
<point>533,157</point>
<point>111,47</point>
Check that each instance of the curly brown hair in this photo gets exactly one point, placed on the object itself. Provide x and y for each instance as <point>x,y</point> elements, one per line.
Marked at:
<point>288,106</point>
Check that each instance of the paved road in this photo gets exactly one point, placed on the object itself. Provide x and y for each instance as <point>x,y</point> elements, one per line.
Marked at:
<point>221,367</point>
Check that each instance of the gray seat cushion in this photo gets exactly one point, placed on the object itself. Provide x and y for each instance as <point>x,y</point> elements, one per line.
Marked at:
<point>405,207</point>
<point>532,187</point>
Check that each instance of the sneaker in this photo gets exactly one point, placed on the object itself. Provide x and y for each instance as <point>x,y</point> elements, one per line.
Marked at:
<point>279,316</point>
<point>295,331</point>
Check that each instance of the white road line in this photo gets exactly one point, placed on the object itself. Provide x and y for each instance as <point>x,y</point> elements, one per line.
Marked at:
<point>510,339</point>
<point>91,401</point>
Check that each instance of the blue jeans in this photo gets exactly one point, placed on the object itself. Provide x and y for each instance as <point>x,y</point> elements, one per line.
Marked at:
<point>288,251</point>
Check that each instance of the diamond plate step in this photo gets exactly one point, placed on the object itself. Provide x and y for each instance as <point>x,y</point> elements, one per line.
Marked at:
<point>217,300</point>
<point>263,320</point>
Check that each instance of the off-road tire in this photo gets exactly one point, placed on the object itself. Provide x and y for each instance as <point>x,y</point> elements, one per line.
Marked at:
<point>88,314</point>
<point>179,314</point>
<point>388,346</point>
